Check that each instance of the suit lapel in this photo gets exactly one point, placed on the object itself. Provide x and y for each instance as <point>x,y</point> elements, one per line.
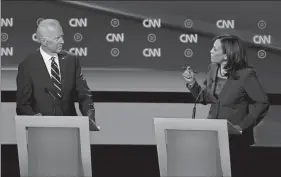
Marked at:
<point>211,80</point>
<point>225,87</point>
<point>42,69</point>
<point>214,72</point>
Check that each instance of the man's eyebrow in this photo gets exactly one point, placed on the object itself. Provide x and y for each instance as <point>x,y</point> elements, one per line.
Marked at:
<point>59,36</point>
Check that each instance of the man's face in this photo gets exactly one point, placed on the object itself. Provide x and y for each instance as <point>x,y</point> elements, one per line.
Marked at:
<point>53,39</point>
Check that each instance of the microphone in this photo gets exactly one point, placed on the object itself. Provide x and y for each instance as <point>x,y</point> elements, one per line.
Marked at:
<point>48,91</point>
<point>52,93</point>
<point>196,100</point>
<point>57,100</point>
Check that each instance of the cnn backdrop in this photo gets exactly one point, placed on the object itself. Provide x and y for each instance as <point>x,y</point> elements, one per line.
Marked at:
<point>147,84</point>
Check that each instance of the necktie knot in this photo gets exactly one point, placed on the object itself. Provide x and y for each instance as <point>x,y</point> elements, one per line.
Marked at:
<point>53,58</point>
<point>54,62</point>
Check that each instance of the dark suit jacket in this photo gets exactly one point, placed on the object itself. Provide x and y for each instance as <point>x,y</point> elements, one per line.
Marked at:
<point>233,103</point>
<point>33,79</point>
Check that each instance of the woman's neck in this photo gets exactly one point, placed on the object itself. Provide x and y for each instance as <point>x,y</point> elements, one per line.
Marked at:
<point>221,70</point>
<point>223,64</point>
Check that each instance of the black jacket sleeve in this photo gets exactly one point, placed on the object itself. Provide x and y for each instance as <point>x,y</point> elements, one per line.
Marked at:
<point>196,89</point>
<point>86,104</point>
<point>24,91</point>
<point>260,99</point>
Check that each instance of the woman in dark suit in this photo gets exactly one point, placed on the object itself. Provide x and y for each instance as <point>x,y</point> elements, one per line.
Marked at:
<point>231,87</point>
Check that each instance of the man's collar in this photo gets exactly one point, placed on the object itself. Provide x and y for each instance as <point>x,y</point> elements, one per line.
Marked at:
<point>46,56</point>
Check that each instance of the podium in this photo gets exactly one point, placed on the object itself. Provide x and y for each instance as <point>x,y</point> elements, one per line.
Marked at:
<point>54,145</point>
<point>193,147</point>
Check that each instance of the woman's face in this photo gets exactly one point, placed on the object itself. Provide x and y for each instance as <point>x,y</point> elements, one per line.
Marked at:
<point>217,55</point>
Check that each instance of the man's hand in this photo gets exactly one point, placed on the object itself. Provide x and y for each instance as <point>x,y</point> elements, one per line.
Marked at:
<point>238,128</point>
<point>188,75</point>
<point>92,123</point>
<point>91,114</point>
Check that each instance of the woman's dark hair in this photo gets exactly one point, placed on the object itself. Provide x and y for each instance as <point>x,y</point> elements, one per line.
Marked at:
<point>233,47</point>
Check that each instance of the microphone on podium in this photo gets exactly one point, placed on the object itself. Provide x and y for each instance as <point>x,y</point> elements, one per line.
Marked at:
<point>52,93</point>
<point>57,99</point>
<point>196,100</point>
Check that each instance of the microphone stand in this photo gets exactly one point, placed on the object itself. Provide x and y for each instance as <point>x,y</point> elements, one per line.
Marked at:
<point>196,100</point>
<point>55,99</point>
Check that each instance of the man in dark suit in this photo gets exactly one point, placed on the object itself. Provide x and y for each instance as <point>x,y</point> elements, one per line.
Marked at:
<point>50,80</point>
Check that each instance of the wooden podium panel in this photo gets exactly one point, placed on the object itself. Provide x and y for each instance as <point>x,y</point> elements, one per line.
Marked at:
<point>192,147</point>
<point>53,146</point>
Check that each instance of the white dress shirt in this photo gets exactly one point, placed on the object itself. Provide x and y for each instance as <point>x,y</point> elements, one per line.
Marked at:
<point>48,61</point>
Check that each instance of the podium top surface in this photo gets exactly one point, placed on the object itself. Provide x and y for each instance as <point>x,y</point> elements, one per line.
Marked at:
<point>57,121</point>
<point>195,124</point>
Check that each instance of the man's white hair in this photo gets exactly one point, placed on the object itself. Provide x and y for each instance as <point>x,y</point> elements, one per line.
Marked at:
<point>44,25</point>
